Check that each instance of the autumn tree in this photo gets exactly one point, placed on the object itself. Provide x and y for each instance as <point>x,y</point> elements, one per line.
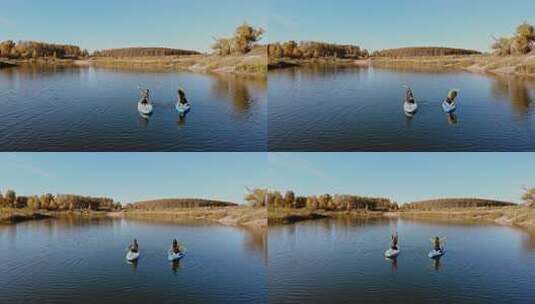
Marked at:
<point>289,199</point>
<point>244,39</point>
<point>34,203</point>
<point>223,46</point>
<point>529,197</point>
<point>9,198</point>
<point>521,43</point>
<point>6,47</point>
<point>257,197</point>
<point>21,202</point>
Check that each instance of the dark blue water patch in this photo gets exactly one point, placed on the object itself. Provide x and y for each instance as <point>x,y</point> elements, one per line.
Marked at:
<point>83,261</point>
<point>361,109</point>
<point>342,261</point>
<point>95,109</point>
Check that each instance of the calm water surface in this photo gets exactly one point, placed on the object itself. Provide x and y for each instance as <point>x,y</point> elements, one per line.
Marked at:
<point>342,261</point>
<point>360,109</point>
<point>83,261</point>
<point>95,109</point>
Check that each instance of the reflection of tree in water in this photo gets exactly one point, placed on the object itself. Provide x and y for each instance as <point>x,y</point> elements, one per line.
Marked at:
<point>256,242</point>
<point>528,240</point>
<point>242,91</point>
<point>319,71</point>
<point>514,89</point>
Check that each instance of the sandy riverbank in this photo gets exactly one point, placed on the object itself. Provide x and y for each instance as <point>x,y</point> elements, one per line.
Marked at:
<point>253,64</point>
<point>515,216</point>
<point>506,65</point>
<point>231,216</point>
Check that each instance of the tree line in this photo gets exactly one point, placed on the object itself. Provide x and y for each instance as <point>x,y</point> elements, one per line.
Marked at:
<point>57,202</point>
<point>244,40</point>
<point>522,42</point>
<point>276,199</point>
<point>34,50</point>
<point>314,50</point>
<point>143,52</point>
<point>456,203</point>
<point>178,203</point>
<point>423,51</point>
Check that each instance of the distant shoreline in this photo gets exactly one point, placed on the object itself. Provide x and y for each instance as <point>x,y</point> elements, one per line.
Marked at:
<point>241,65</point>
<point>522,65</point>
<point>520,216</point>
<point>230,216</point>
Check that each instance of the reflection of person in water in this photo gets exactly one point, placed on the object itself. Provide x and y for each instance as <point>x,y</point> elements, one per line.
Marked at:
<point>452,118</point>
<point>175,266</point>
<point>394,265</point>
<point>436,264</point>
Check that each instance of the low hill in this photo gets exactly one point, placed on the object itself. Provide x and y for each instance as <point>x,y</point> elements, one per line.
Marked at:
<point>143,52</point>
<point>423,51</point>
<point>456,203</point>
<point>180,203</point>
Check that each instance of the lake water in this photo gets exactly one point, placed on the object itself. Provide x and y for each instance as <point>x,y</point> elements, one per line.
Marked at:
<point>95,109</point>
<point>361,109</point>
<point>342,261</point>
<point>83,261</point>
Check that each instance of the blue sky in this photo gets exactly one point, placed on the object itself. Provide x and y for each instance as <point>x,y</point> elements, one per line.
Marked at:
<point>400,176</point>
<point>396,23</point>
<point>99,24</point>
<point>405,177</point>
<point>131,177</point>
